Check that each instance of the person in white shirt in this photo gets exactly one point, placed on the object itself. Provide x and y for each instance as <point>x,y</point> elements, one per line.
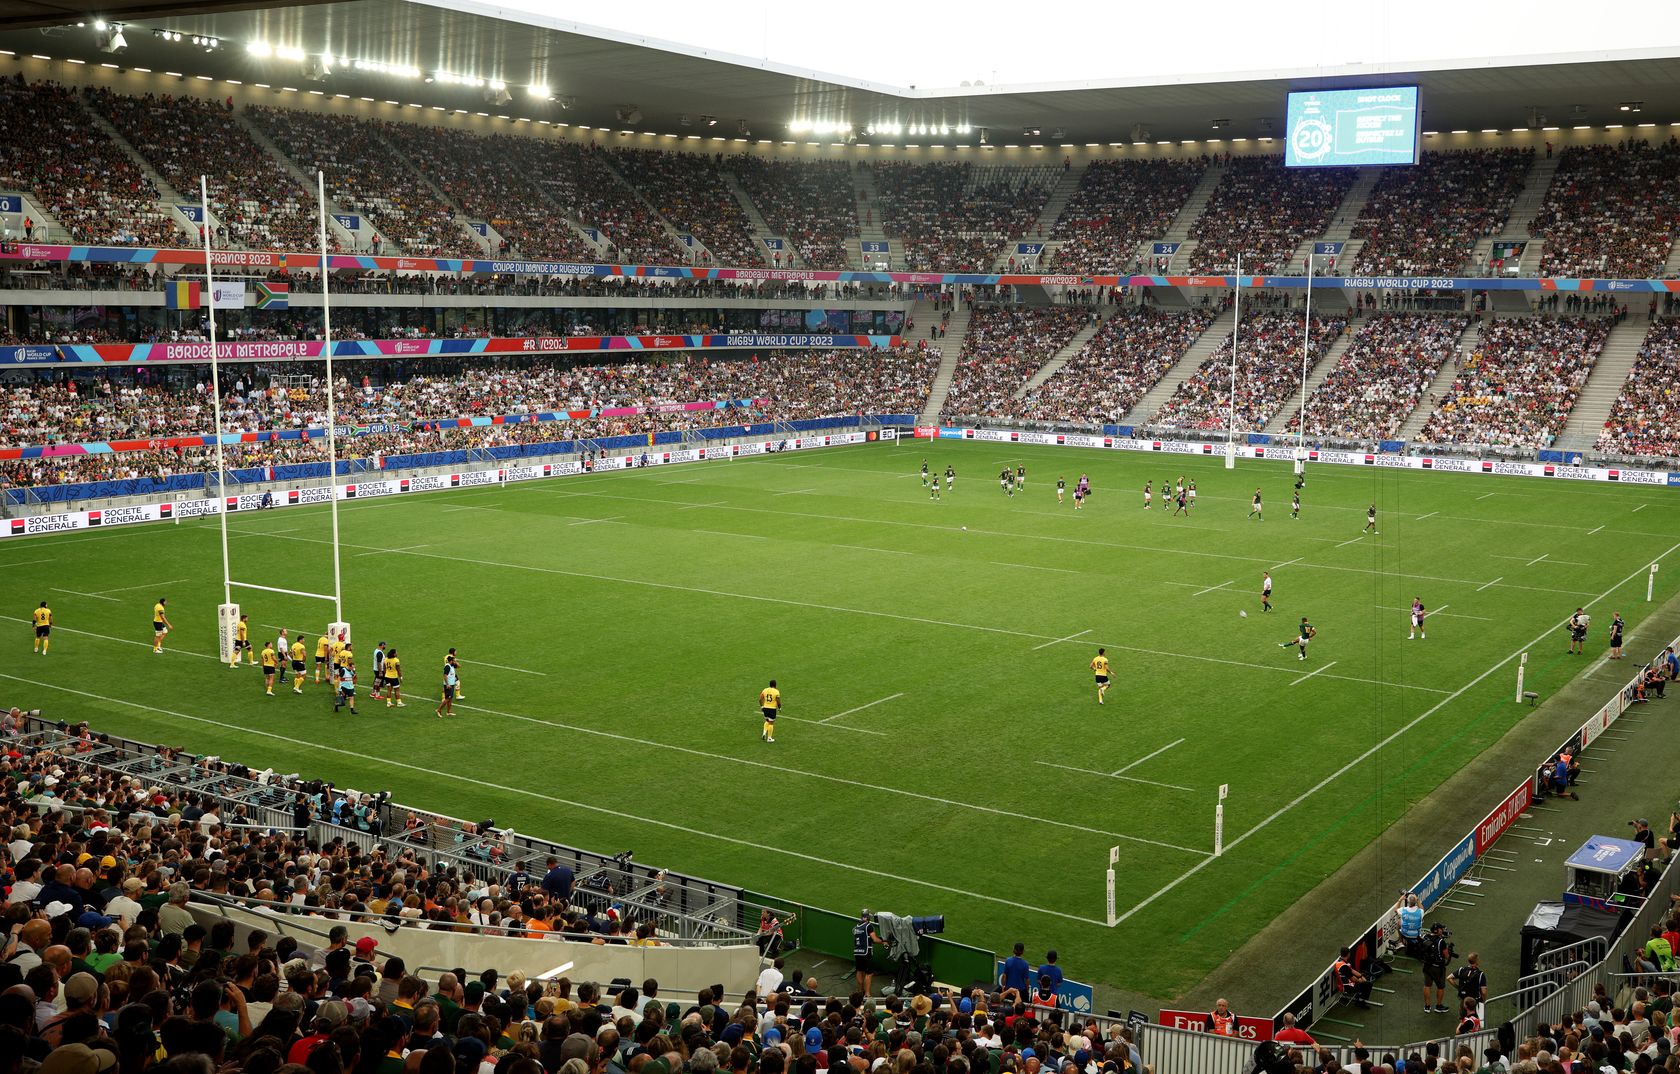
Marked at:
<point>26,887</point>
<point>770,978</point>
<point>123,908</point>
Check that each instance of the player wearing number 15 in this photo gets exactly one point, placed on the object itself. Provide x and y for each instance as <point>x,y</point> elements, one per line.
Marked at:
<point>160,624</point>
<point>770,704</point>
<point>1099,666</point>
<point>43,628</point>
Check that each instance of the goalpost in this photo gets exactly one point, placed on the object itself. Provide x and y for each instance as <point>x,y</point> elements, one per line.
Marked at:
<point>228,612</point>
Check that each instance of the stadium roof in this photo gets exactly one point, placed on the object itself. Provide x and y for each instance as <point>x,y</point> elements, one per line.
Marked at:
<point>482,58</point>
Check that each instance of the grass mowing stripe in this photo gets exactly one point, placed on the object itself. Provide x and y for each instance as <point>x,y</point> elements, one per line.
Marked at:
<point>528,793</point>
<point>1345,769</point>
<point>1400,779</point>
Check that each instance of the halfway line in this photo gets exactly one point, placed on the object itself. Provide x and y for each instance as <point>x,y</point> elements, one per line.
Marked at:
<point>1058,641</point>
<point>1315,671</point>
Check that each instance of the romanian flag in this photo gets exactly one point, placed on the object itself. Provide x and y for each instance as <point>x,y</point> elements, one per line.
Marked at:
<point>182,295</point>
<point>273,296</point>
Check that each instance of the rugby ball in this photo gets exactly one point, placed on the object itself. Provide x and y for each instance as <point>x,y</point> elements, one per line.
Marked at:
<point>1242,613</point>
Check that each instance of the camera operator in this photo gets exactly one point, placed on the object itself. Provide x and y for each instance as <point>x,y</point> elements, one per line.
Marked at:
<point>1437,953</point>
<point>1470,982</point>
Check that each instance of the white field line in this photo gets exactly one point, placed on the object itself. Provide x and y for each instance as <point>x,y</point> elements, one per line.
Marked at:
<point>592,521</point>
<point>148,585</point>
<point>455,777</point>
<point>1441,611</point>
<point>393,551</point>
<point>1145,757</point>
<point>466,507</point>
<point>794,492</point>
<point>1286,563</point>
<point>1058,641</point>
<point>1431,514</point>
<point>834,726</point>
<point>30,562</point>
<point>1374,750</point>
<point>1033,567</point>
<point>1496,581</point>
<point>1351,540</point>
<point>860,708</point>
<point>1211,588</point>
<point>698,506</point>
<point>1538,558</point>
<point>1111,775</point>
<point>1485,495</point>
<point>1315,671</point>
<point>872,548</point>
<point>79,593</point>
<point>1594,530</point>
<point>1640,508</point>
<point>726,533</point>
<point>465,664</point>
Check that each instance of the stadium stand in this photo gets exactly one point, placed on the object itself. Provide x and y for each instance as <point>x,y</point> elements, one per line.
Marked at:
<point>812,204</point>
<point>88,184</point>
<point>1119,204</point>
<point>1269,370</point>
<point>690,192</point>
<point>1263,211</point>
<point>1382,376</point>
<point>256,202</point>
<point>1520,382</point>
<point>1005,345</point>
<point>1426,220</point>
<point>956,217</point>
<point>1132,350</point>
<point>364,176</point>
<point>1611,210</point>
<point>1645,420</point>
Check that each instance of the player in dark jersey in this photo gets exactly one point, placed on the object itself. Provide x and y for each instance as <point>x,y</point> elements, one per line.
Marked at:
<point>1147,495</point>
<point>1295,503</point>
<point>1061,488</point>
<point>924,472</point>
<point>1307,633</point>
<point>950,478</point>
<point>1371,520</point>
<point>1020,477</point>
<point>1256,508</point>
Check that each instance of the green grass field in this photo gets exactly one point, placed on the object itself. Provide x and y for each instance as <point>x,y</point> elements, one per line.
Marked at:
<point>942,750</point>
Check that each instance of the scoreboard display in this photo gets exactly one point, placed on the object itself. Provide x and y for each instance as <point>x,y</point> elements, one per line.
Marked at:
<point>1353,127</point>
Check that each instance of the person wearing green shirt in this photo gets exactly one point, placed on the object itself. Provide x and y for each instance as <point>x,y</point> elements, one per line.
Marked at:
<point>1658,952</point>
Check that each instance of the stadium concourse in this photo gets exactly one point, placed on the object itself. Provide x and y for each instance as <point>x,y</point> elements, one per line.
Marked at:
<point>527,273</point>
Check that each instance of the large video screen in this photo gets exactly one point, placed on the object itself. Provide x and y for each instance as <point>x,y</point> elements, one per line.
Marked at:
<point>1350,128</point>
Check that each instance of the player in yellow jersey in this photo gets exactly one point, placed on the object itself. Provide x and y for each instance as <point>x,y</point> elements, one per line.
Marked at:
<point>43,628</point>
<point>323,647</point>
<point>335,653</point>
<point>269,663</point>
<point>242,641</point>
<point>299,653</point>
<point>1099,665</point>
<point>393,680</point>
<point>770,703</point>
<point>342,657</point>
<point>160,624</point>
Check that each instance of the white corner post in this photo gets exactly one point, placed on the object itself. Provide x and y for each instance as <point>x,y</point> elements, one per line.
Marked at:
<point>1651,584</point>
<point>1113,860</point>
<point>1522,672</point>
<point>1219,820</point>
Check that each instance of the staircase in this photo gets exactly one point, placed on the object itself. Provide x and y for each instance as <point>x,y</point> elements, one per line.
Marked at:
<point>1526,205</point>
<point>1412,427</point>
<point>1194,204</point>
<point>1671,267</point>
<point>1060,194</point>
<point>171,197</point>
<point>490,243</point>
<point>1316,376</point>
<point>1059,359</point>
<point>346,239</point>
<point>760,227</point>
<point>949,349</point>
<point>1605,382</point>
<point>1340,228</point>
<point>869,208</point>
<point>671,229</point>
<point>47,228</point>
<point>1199,352</point>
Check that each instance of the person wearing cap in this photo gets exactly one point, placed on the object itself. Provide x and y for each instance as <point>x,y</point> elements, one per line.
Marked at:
<point>364,952</point>
<point>81,996</point>
<point>1437,952</point>
<point>78,1059</point>
<point>124,907</point>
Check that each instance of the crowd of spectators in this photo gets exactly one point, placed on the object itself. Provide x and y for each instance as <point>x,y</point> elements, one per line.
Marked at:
<point>1119,204</point>
<point>1520,382</point>
<point>364,176</point>
<point>689,190</point>
<point>1645,420</point>
<point>1268,373</point>
<point>88,184</point>
<point>1611,210</point>
<point>956,217</point>
<point>256,202</point>
<point>1425,220</point>
<point>1005,346</point>
<point>1265,211</point>
<point>811,204</point>
<point>1383,375</point>
<point>42,409</point>
<point>1130,352</point>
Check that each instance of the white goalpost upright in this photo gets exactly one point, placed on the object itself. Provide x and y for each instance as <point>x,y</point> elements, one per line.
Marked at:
<point>228,612</point>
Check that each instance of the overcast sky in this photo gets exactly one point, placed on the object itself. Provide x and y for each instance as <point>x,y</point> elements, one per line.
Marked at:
<point>932,45</point>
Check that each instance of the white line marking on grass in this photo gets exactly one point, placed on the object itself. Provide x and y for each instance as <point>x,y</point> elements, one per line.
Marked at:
<point>1287,563</point>
<point>456,777</point>
<point>1538,558</point>
<point>726,533</point>
<point>466,507</point>
<point>504,667</point>
<point>1032,567</point>
<point>698,506</point>
<point>1640,508</point>
<point>79,593</point>
<point>1211,588</point>
<point>1145,757</point>
<point>1442,611</point>
<point>29,562</point>
<point>592,521</point>
<point>264,533</point>
<point>1594,530</point>
<point>1351,540</point>
<point>1485,495</point>
<point>1058,641</point>
<point>1431,514</point>
<point>1111,775</point>
<point>1496,581</point>
<point>1315,671</point>
<point>1351,765</point>
<point>860,708</point>
<point>835,726</point>
<point>795,492</point>
<point>148,585</point>
<point>871,612</point>
<point>872,548</point>
<point>392,551</point>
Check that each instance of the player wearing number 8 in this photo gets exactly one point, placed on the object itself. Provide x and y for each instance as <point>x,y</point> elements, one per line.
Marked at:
<point>160,624</point>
